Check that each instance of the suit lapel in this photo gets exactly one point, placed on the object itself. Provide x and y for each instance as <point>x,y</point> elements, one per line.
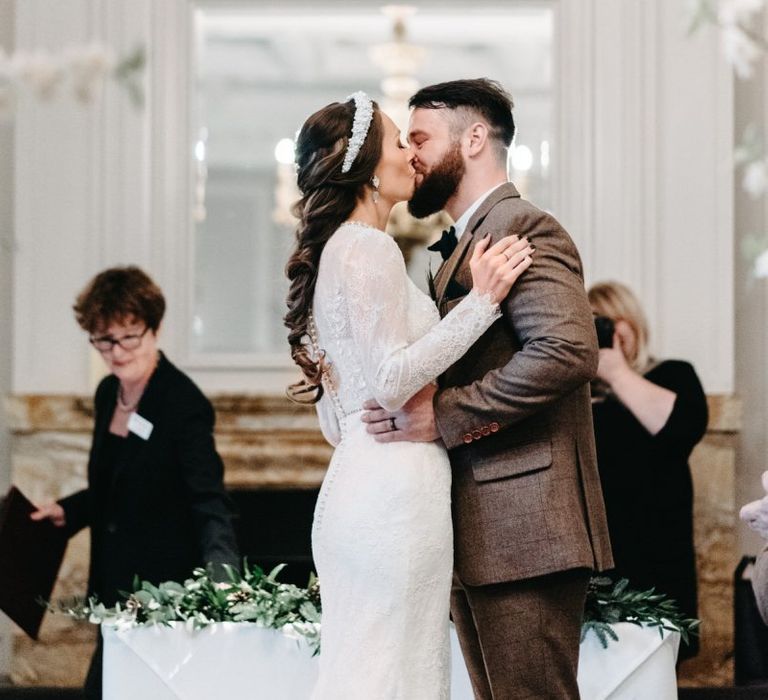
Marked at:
<point>448,269</point>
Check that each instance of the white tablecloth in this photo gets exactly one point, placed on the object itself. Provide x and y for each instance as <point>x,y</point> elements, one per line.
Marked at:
<point>240,660</point>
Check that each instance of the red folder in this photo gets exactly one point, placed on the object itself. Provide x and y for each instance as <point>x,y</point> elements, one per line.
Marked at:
<point>30,557</point>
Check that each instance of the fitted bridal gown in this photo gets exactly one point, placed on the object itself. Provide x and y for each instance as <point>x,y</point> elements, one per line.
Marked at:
<point>382,536</point>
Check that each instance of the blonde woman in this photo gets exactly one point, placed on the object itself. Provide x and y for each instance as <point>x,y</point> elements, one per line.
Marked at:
<point>648,417</point>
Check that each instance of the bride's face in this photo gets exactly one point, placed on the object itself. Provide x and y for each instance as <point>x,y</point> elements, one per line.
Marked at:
<point>394,169</point>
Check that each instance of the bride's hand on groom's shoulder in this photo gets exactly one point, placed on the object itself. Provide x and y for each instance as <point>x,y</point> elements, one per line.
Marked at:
<point>495,268</point>
<point>414,422</point>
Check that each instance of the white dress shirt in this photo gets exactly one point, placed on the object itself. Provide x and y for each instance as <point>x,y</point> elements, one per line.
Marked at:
<point>463,220</point>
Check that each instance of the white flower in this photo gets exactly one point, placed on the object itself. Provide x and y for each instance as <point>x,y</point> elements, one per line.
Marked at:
<point>88,66</point>
<point>739,50</point>
<point>738,11</point>
<point>300,630</point>
<point>760,270</point>
<point>755,180</point>
<point>39,71</point>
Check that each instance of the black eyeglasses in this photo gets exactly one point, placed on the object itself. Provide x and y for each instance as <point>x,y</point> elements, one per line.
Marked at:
<point>106,343</point>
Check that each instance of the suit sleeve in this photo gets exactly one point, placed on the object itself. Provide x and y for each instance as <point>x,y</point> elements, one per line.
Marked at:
<point>549,312</point>
<point>202,473</point>
<point>77,507</point>
<point>77,511</point>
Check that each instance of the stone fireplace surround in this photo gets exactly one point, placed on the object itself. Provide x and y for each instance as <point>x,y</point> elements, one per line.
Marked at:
<point>275,459</point>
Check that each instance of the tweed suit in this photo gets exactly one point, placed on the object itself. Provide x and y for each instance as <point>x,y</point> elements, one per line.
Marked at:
<point>515,415</point>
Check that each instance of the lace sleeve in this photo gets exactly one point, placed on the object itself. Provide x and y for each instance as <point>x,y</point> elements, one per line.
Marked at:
<point>329,423</point>
<point>376,292</point>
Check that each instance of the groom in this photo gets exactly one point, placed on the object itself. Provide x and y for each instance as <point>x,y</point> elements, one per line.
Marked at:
<point>514,413</point>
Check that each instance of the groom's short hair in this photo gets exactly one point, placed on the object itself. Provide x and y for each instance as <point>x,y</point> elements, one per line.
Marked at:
<point>470,98</point>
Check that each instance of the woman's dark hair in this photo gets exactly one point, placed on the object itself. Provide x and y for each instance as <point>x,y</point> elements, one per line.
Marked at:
<point>481,95</point>
<point>119,294</point>
<point>328,197</point>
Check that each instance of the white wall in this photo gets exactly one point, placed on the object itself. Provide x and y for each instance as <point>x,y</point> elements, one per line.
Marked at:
<point>6,277</point>
<point>751,108</point>
<point>643,165</point>
<point>646,181</point>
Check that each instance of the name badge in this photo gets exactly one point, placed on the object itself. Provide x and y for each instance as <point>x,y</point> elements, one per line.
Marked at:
<point>139,426</point>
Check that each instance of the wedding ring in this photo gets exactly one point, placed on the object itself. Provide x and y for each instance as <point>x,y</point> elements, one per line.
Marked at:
<point>508,257</point>
<point>392,425</point>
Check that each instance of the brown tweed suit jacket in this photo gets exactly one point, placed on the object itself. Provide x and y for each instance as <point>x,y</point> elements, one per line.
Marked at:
<point>515,411</point>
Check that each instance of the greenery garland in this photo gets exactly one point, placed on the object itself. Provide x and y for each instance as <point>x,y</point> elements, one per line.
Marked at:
<point>200,601</point>
<point>609,602</point>
<point>258,597</point>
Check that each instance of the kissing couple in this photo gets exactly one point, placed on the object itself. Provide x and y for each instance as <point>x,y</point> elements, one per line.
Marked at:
<point>464,475</point>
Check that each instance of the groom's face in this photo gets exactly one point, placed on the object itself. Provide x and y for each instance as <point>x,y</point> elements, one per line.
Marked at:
<point>438,161</point>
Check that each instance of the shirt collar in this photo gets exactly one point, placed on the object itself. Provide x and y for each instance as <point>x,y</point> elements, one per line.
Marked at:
<point>463,220</point>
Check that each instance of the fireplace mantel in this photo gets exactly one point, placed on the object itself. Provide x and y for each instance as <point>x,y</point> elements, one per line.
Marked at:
<point>267,442</point>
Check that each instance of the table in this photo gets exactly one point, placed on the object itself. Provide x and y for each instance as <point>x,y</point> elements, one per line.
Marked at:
<point>241,660</point>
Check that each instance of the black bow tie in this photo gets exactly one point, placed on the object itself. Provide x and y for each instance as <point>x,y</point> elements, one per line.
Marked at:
<point>447,243</point>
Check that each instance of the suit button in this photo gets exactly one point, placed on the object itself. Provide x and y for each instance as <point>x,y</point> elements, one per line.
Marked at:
<point>468,438</point>
<point>485,430</point>
<point>111,528</point>
<point>476,434</point>
<point>494,427</point>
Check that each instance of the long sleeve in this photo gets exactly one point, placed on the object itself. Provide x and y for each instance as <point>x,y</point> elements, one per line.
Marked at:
<point>376,292</point>
<point>687,423</point>
<point>329,423</point>
<point>202,471</point>
<point>78,507</point>
<point>77,511</point>
<point>550,314</point>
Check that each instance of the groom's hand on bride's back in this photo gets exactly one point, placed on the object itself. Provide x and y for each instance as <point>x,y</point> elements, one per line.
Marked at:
<point>414,422</point>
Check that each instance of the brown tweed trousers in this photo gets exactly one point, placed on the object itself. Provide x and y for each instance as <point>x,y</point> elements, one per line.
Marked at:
<point>528,513</point>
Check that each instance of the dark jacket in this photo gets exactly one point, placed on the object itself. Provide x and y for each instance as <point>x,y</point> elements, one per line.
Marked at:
<point>161,509</point>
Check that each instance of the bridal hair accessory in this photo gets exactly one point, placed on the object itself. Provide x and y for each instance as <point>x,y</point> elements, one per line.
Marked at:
<point>360,125</point>
<point>375,185</point>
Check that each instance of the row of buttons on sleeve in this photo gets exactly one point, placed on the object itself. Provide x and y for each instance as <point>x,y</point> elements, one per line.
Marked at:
<point>481,432</point>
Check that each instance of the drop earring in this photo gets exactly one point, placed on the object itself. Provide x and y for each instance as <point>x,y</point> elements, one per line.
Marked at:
<point>375,185</point>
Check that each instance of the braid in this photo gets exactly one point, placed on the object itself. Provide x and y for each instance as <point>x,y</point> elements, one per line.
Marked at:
<point>328,198</point>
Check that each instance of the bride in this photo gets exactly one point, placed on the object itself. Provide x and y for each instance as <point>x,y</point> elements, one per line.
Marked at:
<point>359,329</point>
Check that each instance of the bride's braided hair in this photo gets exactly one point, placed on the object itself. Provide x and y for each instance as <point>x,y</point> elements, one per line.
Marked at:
<point>328,198</point>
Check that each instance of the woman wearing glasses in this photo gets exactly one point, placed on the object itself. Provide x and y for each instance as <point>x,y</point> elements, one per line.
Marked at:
<point>155,500</point>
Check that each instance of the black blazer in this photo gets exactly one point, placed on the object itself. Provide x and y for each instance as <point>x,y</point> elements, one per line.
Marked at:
<point>161,510</point>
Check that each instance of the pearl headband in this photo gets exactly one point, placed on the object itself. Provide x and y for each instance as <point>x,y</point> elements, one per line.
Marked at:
<point>360,125</point>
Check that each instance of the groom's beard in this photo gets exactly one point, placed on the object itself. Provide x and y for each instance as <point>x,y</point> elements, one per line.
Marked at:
<point>438,185</point>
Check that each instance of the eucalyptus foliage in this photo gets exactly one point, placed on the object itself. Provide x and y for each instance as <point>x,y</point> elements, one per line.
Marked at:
<point>253,596</point>
<point>258,597</point>
<point>609,603</point>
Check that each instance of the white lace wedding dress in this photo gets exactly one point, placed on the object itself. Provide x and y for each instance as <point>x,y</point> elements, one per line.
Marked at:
<point>382,537</point>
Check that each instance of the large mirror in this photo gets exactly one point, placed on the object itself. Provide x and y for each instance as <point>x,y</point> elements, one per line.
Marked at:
<point>260,71</point>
